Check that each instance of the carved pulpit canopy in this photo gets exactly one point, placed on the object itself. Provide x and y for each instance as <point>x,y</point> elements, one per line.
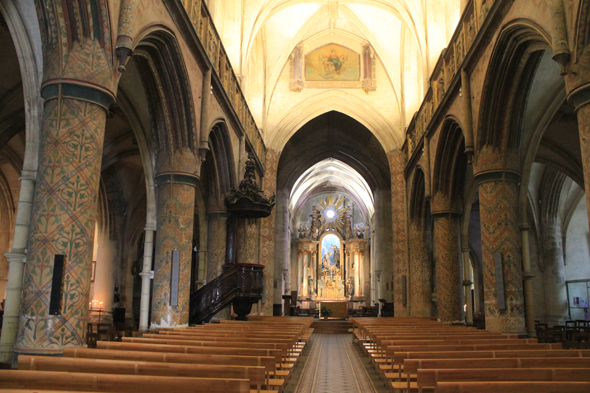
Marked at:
<point>248,200</point>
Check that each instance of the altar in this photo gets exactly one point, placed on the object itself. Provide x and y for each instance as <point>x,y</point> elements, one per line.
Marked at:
<point>339,308</point>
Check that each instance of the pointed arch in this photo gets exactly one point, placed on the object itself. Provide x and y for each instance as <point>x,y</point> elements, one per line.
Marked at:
<point>450,164</point>
<point>511,70</point>
<point>339,101</point>
<point>168,91</point>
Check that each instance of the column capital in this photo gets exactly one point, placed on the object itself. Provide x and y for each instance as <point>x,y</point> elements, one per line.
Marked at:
<point>78,90</point>
<point>446,214</point>
<point>170,177</point>
<point>579,96</point>
<point>495,175</point>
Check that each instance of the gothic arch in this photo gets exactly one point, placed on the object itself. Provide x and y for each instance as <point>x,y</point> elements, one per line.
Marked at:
<point>418,198</point>
<point>511,70</point>
<point>450,165</point>
<point>219,165</point>
<point>166,82</point>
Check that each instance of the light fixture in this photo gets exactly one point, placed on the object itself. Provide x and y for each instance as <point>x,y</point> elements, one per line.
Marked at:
<point>330,213</point>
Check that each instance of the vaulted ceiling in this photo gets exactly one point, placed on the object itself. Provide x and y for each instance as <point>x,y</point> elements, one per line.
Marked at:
<point>405,38</point>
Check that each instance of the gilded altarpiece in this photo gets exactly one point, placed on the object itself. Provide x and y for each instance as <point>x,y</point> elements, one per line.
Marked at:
<point>330,264</point>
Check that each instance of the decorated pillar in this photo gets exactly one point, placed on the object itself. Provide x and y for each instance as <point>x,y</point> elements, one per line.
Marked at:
<point>446,251</point>
<point>216,242</point>
<point>304,274</point>
<point>356,270</point>
<point>420,276</point>
<point>267,234</point>
<point>554,274</point>
<point>175,203</point>
<point>502,270</point>
<point>77,96</point>
<point>397,164</point>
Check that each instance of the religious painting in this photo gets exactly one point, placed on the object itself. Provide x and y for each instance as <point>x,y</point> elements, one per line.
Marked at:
<point>332,63</point>
<point>330,251</point>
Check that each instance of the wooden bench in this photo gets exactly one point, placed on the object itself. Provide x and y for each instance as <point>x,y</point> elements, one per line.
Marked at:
<point>513,387</point>
<point>182,349</point>
<point>430,378</point>
<point>255,374</point>
<point>95,382</point>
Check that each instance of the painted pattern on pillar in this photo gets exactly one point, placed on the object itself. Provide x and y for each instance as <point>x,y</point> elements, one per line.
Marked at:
<point>397,163</point>
<point>583,114</point>
<point>63,221</point>
<point>175,231</point>
<point>446,249</point>
<point>267,230</point>
<point>499,233</point>
<point>217,228</point>
<point>420,280</point>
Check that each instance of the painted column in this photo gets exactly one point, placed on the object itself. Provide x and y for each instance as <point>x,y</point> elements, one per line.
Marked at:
<point>446,251</point>
<point>357,286</point>
<point>281,246</point>
<point>467,287</point>
<point>217,228</point>
<point>528,281</point>
<point>362,273</point>
<point>498,197</point>
<point>554,274</point>
<point>268,258</point>
<point>397,164</point>
<point>16,269</point>
<point>146,275</point>
<point>305,273</point>
<point>299,272</point>
<point>175,215</point>
<point>313,270</point>
<point>420,280</point>
<point>63,221</point>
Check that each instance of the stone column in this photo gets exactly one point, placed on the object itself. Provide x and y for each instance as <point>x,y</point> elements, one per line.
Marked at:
<point>304,274</point>
<point>446,251</point>
<point>528,281</point>
<point>63,221</point>
<point>175,212</point>
<point>397,164</point>
<point>554,274</point>
<point>268,258</point>
<point>357,273</point>
<point>313,270</point>
<point>467,286</point>
<point>420,276</point>
<point>216,242</point>
<point>498,198</point>
<point>361,259</point>
<point>16,269</point>
<point>299,272</point>
<point>146,275</point>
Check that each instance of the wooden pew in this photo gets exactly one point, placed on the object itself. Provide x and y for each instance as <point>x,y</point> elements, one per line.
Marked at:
<point>430,378</point>
<point>95,382</point>
<point>182,349</point>
<point>255,374</point>
<point>513,387</point>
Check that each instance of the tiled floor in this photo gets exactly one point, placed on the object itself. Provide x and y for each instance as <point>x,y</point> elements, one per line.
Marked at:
<point>331,363</point>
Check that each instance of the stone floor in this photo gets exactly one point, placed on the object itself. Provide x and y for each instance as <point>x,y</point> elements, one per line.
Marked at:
<point>331,363</point>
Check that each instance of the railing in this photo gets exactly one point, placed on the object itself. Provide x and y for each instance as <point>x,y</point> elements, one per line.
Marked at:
<point>203,24</point>
<point>242,285</point>
<point>448,66</point>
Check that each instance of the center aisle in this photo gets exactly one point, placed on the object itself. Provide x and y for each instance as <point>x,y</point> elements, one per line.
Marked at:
<point>334,365</point>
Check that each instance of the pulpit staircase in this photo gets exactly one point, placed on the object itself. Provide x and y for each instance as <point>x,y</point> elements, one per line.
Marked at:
<point>240,285</point>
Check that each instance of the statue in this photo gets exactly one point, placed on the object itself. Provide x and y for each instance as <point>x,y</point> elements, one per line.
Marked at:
<point>350,287</point>
<point>359,231</point>
<point>316,222</point>
<point>440,90</point>
<point>326,260</point>
<point>336,256</point>
<point>310,285</point>
<point>347,218</point>
<point>302,231</point>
